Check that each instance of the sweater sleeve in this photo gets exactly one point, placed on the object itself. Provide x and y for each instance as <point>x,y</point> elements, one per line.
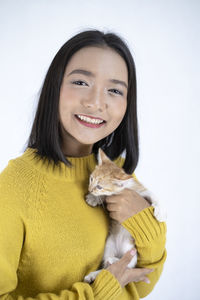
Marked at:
<point>11,243</point>
<point>12,237</point>
<point>150,238</point>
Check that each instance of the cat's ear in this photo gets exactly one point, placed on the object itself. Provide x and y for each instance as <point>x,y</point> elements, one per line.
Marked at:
<point>102,157</point>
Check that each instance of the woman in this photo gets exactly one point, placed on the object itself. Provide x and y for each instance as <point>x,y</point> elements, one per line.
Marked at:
<point>49,237</point>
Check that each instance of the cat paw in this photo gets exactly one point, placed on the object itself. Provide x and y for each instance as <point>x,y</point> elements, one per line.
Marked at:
<point>91,277</point>
<point>91,200</point>
<point>109,261</point>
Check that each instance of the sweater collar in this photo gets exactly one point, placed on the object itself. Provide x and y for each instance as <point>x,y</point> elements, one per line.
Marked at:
<point>80,169</point>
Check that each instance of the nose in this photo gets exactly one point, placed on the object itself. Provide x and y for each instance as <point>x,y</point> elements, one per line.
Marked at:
<point>95,100</point>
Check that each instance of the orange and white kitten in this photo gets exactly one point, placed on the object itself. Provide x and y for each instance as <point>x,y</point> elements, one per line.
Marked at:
<point>109,179</point>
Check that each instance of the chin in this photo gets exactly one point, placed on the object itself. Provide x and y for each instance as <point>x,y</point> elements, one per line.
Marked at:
<point>87,142</point>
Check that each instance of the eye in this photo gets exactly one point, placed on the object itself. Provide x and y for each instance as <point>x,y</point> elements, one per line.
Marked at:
<point>117,92</point>
<point>99,187</point>
<point>78,82</point>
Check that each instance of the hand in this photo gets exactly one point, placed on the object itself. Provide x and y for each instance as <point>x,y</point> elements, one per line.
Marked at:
<point>125,275</point>
<point>125,205</point>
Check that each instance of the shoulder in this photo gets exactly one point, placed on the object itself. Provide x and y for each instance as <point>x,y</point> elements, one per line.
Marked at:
<point>16,182</point>
<point>18,170</point>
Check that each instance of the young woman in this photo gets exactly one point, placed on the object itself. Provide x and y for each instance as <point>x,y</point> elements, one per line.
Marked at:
<point>50,238</point>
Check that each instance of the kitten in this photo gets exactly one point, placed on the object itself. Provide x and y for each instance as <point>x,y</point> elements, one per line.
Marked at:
<point>109,179</point>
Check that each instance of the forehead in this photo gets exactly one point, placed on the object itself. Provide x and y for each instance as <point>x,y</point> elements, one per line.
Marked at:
<point>98,60</point>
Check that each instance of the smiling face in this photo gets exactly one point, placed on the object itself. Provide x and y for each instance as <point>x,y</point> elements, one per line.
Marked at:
<point>94,85</point>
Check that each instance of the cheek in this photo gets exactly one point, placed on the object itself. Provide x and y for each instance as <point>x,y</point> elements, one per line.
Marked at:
<point>67,101</point>
<point>119,111</point>
<point>66,96</point>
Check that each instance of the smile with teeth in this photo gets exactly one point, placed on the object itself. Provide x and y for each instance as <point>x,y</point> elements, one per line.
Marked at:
<point>88,120</point>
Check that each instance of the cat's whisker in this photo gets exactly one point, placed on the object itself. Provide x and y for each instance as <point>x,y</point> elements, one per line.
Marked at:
<point>102,203</point>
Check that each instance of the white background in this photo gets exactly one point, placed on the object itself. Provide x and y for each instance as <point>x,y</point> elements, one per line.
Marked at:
<point>163,37</point>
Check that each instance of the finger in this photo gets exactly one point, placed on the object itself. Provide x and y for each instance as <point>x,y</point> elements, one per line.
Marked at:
<point>143,272</point>
<point>147,271</point>
<point>112,199</point>
<point>114,215</point>
<point>138,274</point>
<point>112,207</point>
<point>146,279</point>
<point>126,258</point>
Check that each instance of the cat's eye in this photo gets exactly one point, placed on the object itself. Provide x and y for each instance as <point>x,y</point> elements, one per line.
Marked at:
<point>91,178</point>
<point>99,187</point>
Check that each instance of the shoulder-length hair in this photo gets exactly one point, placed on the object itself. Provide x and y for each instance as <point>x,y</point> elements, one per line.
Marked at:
<point>45,134</point>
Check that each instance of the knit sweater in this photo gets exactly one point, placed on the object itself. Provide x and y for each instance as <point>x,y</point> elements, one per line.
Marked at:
<point>50,238</point>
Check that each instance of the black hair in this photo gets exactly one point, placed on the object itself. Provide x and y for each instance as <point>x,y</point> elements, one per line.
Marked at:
<point>46,135</point>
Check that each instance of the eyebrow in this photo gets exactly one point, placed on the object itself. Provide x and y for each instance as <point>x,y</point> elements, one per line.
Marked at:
<point>90,74</point>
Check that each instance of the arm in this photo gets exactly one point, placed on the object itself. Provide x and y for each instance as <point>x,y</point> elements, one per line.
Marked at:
<point>12,241</point>
<point>150,238</point>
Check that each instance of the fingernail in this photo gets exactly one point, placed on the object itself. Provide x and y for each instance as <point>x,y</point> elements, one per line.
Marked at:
<point>151,270</point>
<point>148,281</point>
<point>133,251</point>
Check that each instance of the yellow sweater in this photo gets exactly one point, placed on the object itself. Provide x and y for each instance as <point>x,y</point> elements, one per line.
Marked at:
<point>50,238</point>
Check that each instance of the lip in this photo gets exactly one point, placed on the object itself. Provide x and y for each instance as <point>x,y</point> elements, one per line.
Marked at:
<point>91,117</point>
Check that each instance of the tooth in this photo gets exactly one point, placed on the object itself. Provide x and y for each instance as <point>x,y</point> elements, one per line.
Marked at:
<point>93,121</point>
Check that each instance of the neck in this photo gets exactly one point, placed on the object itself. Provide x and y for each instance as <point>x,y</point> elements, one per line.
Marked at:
<point>80,151</point>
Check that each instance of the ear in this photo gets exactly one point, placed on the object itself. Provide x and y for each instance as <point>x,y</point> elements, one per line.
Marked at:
<point>102,157</point>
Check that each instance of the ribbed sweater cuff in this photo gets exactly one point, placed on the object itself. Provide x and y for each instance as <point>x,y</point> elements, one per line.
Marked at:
<point>106,286</point>
<point>145,228</point>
